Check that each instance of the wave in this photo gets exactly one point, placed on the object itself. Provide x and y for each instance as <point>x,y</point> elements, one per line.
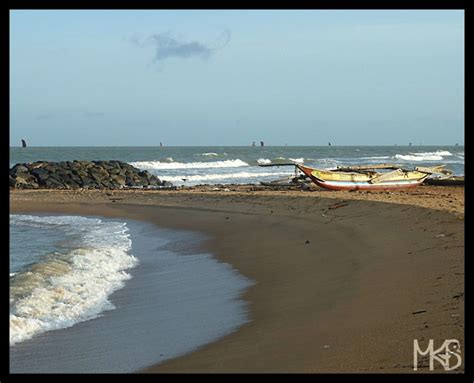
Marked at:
<point>264,161</point>
<point>282,159</point>
<point>156,165</point>
<point>66,288</point>
<point>216,177</point>
<point>297,160</point>
<point>424,156</point>
<point>209,154</point>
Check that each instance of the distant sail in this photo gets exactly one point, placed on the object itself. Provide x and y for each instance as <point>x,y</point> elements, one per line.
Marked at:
<point>23,143</point>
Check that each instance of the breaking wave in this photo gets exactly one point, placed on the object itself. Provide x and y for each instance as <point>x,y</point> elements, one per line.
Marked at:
<point>221,177</point>
<point>156,165</point>
<point>68,287</point>
<point>424,156</point>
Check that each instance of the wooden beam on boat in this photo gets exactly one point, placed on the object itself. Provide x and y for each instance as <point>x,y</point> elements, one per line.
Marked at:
<point>433,169</point>
<point>368,167</point>
<point>386,176</point>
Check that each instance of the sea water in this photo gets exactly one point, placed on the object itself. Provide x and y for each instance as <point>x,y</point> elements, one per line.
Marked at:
<point>90,294</point>
<point>240,165</point>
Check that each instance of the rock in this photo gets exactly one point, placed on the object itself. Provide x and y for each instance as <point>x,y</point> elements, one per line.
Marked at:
<point>118,179</point>
<point>51,168</point>
<point>83,175</point>
<point>41,174</point>
<point>52,183</point>
<point>88,183</point>
<point>20,169</point>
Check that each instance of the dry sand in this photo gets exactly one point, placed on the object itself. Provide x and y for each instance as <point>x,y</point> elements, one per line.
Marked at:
<point>339,275</point>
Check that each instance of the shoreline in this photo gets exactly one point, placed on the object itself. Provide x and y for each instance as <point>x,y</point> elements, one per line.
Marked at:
<point>174,302</point>
<point>343,302</point>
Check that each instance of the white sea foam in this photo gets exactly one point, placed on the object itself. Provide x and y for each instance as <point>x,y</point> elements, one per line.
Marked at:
<point>209,154</point>
<point>156,165</point>
<point>297,160</point>
<point>264,161</point>
<point>218,177</point>
<point>72,287</point>
<point>424,156</point>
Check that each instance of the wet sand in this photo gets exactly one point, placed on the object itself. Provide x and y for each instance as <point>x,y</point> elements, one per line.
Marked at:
<point>340,276</point>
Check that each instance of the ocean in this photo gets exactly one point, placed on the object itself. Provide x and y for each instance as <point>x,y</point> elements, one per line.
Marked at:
<point>239,165</point>
<point>90,294</point>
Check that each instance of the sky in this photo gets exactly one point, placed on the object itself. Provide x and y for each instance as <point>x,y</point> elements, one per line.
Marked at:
<point>217,77</point>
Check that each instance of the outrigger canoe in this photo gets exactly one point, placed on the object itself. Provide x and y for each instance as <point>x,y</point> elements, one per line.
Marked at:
<point>366,178</point>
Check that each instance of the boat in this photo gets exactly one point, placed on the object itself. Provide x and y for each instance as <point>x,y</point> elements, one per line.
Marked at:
<point>368,178</point>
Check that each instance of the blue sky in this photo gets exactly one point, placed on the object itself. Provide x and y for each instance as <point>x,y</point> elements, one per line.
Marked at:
<point>233,77</point>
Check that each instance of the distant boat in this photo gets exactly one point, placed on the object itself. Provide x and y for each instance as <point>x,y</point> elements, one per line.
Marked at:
<point>23,143</point>
<point>366,178</point>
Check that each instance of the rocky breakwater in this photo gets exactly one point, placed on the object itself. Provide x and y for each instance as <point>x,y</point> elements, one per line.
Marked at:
<point>82,174</point>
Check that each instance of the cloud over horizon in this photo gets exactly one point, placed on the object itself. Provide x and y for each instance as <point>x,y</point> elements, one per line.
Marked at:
<point>166,46</point>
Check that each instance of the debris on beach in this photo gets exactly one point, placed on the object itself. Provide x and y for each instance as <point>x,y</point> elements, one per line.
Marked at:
<point>337,205</point>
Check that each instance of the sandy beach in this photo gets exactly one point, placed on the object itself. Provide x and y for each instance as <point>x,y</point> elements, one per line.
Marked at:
<point>344,281</point>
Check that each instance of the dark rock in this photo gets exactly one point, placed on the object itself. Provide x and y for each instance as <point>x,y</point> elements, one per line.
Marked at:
<point>88,183</point>
<point>40,174</point>
<point>20,169</point>
<point>52,183</point>
<point>64,173</point>
<point>107,184</point>
<point>51,168</point>
<point>82,174</point>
